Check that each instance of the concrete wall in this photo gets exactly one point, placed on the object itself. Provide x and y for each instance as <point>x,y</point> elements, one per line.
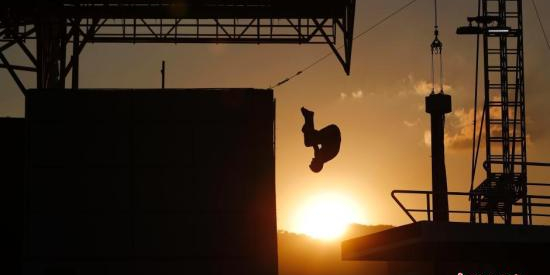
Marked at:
<point>12,144</point>
<point>150,182</point>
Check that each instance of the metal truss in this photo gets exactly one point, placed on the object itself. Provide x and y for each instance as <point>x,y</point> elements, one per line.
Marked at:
<point>500,25</point>
<point>57,25</point>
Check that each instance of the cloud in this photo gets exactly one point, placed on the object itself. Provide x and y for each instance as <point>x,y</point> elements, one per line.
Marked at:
<point>357,95</point>
<point>459,129</point>
<point>427,138</point>
<point>411,124</point>
<point>353,95</point>
<point>424,87</point>
<point>343,95</point>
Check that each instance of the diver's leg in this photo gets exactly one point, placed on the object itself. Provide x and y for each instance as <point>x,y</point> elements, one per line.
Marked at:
<point>308,129</point>
<point>310,136</point>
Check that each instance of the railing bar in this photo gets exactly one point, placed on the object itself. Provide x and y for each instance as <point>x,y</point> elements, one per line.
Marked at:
<point>428,192</point>
<point>542,164</point>
<point>402,206</point>
<point>429,210</point>
<point>462,211</point>
<point>450,211</point>
<point>410,191</point>
<point>540,204</point>
<point>539,184</point>
<point>539,197</point>
<point>530,211</point>
<point>416,210</point>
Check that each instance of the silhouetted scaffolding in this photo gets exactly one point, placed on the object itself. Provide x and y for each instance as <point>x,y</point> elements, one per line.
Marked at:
<point>500,25</point>
<point>62,27</point>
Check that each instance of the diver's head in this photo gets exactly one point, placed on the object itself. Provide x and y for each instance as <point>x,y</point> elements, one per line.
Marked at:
<point>316,165</point>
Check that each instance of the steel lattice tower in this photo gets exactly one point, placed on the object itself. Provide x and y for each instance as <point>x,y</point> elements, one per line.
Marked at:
<point>501,27</point>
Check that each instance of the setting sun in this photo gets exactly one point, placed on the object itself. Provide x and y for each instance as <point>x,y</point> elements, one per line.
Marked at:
<point>326,216</point>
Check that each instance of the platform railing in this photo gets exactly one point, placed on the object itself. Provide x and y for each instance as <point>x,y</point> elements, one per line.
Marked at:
<point>542,202</point>
<point>531,204</point>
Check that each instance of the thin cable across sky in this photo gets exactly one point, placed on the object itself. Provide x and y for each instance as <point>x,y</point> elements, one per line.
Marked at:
<point>380,22</point>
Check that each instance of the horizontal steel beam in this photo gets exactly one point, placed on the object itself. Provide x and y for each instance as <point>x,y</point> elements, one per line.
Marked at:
<point>181,9</point>
<point>540,164</point>
<point>538,184</point>
<point>202,40</point>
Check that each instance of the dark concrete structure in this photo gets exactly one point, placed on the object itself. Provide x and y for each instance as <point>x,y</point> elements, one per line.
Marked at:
<point>150,182</point>
<point>12,159</point>
<point>437,105</point>
<point>456,247</point>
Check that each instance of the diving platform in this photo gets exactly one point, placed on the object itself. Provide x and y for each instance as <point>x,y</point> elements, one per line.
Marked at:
<point>453,242</point>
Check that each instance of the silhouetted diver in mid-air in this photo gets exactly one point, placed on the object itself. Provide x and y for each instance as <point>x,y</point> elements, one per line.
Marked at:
<point>325,142</point>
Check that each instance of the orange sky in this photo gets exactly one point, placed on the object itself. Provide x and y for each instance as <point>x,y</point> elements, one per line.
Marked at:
<point>379,108</point>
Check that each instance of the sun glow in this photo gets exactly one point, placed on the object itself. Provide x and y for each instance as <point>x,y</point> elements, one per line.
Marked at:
<point>326,216</point>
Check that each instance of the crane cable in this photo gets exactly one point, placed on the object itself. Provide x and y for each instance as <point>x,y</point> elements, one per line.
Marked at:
<point>475,151</point>
<point>437,51</point>
<point>541,25</point>
<point>380,22</point>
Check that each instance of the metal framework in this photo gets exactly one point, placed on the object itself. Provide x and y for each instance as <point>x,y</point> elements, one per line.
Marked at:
<point>62,28</point>
<point>500,23</point>
<point>504,111</point>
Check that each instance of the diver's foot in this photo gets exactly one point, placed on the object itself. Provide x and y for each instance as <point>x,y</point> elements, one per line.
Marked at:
<point>306,112</point>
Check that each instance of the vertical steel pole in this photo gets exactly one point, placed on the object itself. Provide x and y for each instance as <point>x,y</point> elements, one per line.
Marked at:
<point>162,73</point>
<point>76,54</point>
